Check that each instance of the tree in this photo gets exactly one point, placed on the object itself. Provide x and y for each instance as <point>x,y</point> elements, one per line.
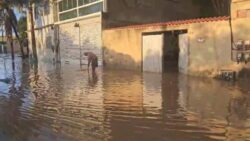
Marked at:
<point>6,21</point>
<point>28,4</point>
<point>22,28</point>
<point>10,23</point>
<point>2,23</point>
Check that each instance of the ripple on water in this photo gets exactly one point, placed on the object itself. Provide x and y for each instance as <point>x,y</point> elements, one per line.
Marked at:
<point>63,103</point>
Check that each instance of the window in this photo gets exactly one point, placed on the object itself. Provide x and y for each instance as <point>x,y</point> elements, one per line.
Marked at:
<point>69,9</point>
<point>36,10</point>
<point>84,2</point>
<point>90,9</point>
<point>67,5</point>
<point>46,7</point>
<point>68,15</point>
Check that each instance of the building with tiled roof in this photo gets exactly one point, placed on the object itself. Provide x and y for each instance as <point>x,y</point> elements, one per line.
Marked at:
<point>201,46</point>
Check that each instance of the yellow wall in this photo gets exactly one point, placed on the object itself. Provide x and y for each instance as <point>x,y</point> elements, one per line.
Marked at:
<point>123,47</point>
<point>241,27</point>
<point>214,53</point>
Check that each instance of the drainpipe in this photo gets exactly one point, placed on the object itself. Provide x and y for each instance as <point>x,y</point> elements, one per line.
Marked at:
<point>231,29</point>
<point>78,26</point>
<point>80,46</point>
<point>232,36</point>
<point>2,44</point>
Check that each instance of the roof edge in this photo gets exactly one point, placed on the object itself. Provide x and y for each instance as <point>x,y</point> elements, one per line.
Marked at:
<point>173,23</point>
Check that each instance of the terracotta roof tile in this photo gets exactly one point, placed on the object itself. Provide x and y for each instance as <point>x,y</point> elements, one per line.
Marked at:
<point>175,23</point>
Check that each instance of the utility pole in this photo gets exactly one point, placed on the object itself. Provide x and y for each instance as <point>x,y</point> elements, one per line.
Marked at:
<point>79,44</point>
<point>231,28</point>
<point>2,36</point>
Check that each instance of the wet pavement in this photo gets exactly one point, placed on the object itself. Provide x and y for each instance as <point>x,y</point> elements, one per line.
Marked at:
<point>62,103</point>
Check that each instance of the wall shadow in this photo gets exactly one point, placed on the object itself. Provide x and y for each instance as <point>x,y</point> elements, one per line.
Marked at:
<point>116,60</point>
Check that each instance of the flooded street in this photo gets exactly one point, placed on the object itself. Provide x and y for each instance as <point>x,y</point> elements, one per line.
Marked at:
<point>62,103</point>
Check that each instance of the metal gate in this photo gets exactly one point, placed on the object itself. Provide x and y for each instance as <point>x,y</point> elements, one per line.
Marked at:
<point>184,53</point>
<point>152,53</point>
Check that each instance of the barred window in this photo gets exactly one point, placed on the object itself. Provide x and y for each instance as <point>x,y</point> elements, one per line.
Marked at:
<point>67,5</point>
<point>68,15</point>
<point>83,2</point>
<point>69,9</point>
<point>91,9</point>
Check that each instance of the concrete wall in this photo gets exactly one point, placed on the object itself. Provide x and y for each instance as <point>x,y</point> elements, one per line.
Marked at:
<point>127,12</point>
<point>90,39</point>
<point>210,49</point>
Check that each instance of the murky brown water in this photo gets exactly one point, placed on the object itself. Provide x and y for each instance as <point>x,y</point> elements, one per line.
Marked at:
<point>53,103</point>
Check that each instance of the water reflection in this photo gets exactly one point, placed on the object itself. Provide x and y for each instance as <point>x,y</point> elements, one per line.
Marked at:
<point>93,79</point>
<point>61,103</point>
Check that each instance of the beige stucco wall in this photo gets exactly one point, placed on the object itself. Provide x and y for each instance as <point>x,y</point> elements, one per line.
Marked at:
<point>123,47</point>
<point>212,54</point>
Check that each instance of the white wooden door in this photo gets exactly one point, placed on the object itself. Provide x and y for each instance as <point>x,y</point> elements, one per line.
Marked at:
<point>152,53</point>
<point>184,53</point>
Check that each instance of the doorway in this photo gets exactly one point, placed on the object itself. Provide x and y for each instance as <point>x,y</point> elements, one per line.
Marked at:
<point>165,51</point>
<point>173,59</point>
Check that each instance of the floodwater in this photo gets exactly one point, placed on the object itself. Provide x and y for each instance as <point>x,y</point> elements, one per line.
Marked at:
<point>62,103</point>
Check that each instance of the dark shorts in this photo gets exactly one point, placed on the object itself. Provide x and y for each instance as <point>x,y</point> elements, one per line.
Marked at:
<point>95,63</point>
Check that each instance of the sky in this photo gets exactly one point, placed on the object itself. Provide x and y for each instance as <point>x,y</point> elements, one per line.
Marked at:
<point>18,14</point>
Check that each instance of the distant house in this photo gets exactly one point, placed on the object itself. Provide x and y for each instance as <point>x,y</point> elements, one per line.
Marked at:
<point>76,26</point>
<point>5,46</point>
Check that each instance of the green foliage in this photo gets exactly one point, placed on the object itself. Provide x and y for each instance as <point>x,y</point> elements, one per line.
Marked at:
<point>22,27</point>
<point>27,3</point>
<point>23,3</point>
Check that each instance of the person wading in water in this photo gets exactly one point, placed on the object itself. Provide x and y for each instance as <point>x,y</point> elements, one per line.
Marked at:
<point>92,59</point>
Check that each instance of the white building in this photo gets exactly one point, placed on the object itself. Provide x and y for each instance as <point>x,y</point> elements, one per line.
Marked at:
<point>55,24</point>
